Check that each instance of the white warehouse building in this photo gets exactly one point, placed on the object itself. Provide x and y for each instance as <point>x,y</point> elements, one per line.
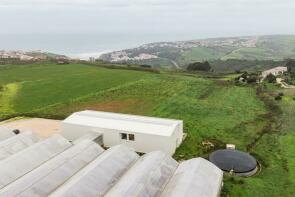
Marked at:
<point>140,133</point>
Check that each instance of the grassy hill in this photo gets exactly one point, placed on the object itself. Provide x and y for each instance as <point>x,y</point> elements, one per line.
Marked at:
<point>250,48</point>
<point>213,110</point>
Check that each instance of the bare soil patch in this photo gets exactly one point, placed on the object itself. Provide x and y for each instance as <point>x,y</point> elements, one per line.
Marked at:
<point>43,128</point>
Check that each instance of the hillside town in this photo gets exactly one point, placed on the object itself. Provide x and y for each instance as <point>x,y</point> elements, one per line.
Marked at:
<point>29,56</point>
<point>156,50</point>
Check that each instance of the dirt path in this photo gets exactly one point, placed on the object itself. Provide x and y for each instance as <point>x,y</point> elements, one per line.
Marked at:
<point>175,64</point>
<point>284,84</point>
<point>44,128</point>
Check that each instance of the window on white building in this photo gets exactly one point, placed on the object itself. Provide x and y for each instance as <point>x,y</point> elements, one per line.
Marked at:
<point>124,136</point>
<point>131,137</point>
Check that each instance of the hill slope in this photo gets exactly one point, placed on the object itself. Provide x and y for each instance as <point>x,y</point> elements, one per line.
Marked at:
<point>179,54</point>
<point>213,110</point>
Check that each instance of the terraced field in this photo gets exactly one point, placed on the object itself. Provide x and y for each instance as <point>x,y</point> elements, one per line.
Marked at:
<point>213,110</point>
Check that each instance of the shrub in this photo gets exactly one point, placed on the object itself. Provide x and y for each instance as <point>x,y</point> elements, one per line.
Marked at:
<point>271,78</point>
<point>291,66</point>
<point>199,66</point>
<point>252,79</point>
<point>278,98</point>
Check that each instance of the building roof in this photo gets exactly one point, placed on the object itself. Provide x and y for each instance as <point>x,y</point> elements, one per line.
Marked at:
<point>55,167</point>
<point>49,176</point>
<point>147,177</point>
<point>5,133</point>
<point>122,122</point>
<point>98,177</point>
<point>16,144</point>
<point>27,160</point>
<point>195,177</point>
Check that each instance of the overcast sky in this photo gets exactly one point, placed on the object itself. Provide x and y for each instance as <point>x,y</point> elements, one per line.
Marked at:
<point>174,19</point>
<point>205,18</point>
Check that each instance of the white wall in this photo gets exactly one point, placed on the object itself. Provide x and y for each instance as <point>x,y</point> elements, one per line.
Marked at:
<point>72,132</point>
<point>143,142</point>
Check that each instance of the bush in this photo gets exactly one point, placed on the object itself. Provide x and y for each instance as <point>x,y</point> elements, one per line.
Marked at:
<point>252,79</point>
<point>271,78</point>
<point>281,94</point>
<point>199,66</point>
<point>278,98</point>
<point>291,65</point>
<point>145,66</point>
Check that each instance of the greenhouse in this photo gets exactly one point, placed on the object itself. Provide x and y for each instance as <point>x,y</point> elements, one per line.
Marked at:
<point>101,174</point>
<point>48,177</point>
<point>196,177</point>
<point>16,143</point>
<point>147,177</point>
<point>5,133</point>
<point>25,161</point>
<point>57,167</point>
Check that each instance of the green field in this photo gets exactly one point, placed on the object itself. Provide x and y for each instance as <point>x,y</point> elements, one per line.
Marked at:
<point>252,54</point>
<point>213,110</point>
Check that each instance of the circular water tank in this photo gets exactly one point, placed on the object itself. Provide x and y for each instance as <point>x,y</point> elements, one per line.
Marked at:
<point>234,161</point>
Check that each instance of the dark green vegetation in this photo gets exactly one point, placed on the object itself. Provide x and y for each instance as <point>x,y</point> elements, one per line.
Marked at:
<point>214,110</point>
<point>246,77</point>
<point>291,65</point>
<point>254,52</point>
<point>199,66</point>
<point>271,78</point>
<point>234,65</point>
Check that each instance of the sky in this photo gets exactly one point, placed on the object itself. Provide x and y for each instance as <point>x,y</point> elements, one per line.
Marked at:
<point>146,20</point>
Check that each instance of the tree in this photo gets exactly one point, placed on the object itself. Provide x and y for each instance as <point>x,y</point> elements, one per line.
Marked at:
<point>252,79</point>
<point>291,65</point>
<point>271,78</point>
<point>199,66</point>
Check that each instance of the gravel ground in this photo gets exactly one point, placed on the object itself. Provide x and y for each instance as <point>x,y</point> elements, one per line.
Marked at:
<point>43,128</point>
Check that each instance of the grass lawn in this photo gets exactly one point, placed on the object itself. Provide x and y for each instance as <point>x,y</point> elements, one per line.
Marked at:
<point>213,110</point>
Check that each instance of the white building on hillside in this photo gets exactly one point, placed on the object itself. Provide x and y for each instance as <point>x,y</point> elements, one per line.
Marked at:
<point>275,71</point>
<point>142,134</point>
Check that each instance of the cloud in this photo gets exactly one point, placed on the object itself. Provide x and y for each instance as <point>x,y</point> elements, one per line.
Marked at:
<point>126,3</point>
<point>195,17</point>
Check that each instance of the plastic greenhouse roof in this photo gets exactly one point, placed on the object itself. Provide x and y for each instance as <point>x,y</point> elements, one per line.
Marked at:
<point>55,167</point>
<point>147,177</point>
<point>49,176</point>
<point>16,143</point>
<point>5,133</point>
<point>25,161</point>
<point>196,177</point>
<point>101,174</point>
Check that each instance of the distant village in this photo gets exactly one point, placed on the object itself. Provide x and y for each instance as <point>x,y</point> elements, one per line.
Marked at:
<point>30,56</point>
<point>152,50</point>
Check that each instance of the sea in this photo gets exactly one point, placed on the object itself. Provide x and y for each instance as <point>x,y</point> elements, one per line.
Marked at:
<point>80,45</point>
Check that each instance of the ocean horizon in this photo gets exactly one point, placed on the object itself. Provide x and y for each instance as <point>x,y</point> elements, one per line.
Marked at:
<point>82,45</point>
